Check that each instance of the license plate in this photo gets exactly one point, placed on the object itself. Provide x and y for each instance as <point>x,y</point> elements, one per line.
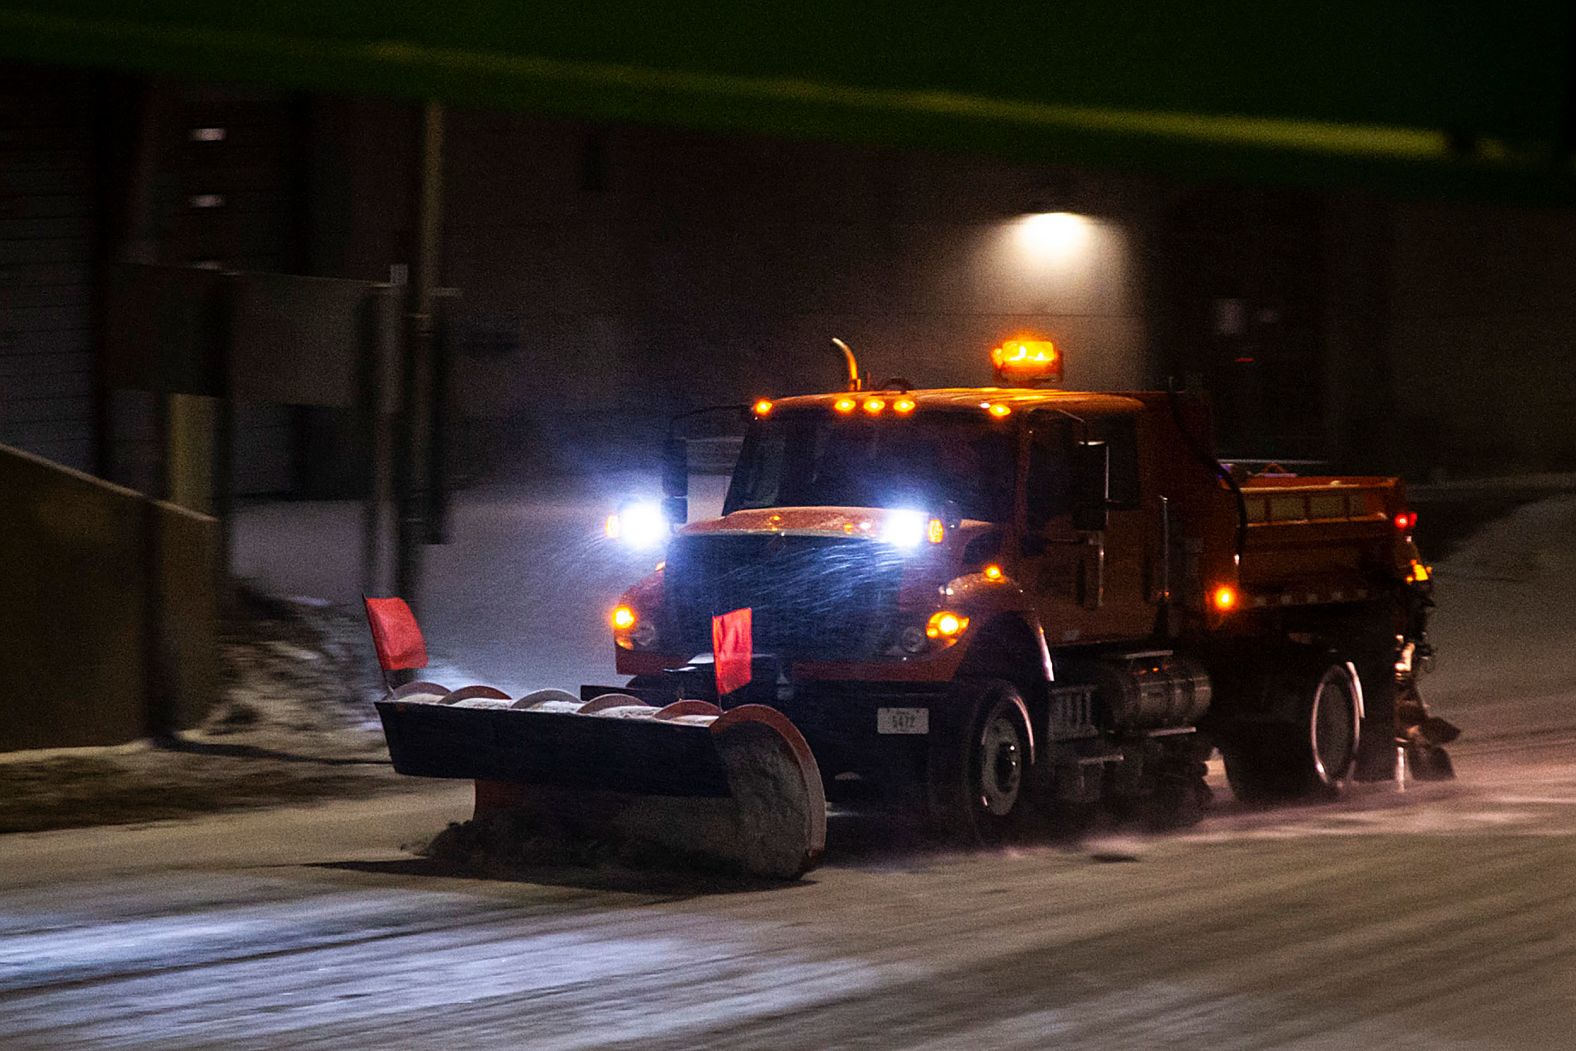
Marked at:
<point>902,720</point>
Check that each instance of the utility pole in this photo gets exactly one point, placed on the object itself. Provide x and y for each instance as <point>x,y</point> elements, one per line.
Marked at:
<point>416,378</point>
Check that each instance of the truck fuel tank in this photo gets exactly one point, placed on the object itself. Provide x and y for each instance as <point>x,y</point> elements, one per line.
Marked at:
<point>1152,690</point>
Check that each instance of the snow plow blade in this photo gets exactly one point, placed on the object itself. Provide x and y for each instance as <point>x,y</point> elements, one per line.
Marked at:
<point>739,789</point>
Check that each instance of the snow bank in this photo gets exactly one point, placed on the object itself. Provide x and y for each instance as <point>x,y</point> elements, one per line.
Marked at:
<point>1505,630</point>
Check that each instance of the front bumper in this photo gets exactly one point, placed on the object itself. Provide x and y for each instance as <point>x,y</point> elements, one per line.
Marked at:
<point>861,754</point>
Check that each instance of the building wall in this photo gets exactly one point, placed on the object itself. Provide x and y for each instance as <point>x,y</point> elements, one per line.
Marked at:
<point>610,277</point>
<point>1483,334</point>
<point>47,274</point>
<point>226,190</point>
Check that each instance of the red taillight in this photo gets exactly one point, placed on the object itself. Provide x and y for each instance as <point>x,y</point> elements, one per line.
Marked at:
<point>1405,521</point>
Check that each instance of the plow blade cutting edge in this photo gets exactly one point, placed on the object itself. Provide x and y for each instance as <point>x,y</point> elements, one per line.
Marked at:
<point>738,788</point>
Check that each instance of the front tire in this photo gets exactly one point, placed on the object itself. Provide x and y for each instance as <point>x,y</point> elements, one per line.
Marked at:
<point>979,775</point>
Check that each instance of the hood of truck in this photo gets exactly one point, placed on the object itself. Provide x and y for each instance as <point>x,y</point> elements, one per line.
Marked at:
<point>801,521</point>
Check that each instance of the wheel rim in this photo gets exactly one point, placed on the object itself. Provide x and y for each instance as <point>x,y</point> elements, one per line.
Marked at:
<point>1000,764</point>
<point>1333,728</point>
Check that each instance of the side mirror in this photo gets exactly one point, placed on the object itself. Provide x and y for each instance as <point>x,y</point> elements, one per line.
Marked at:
<point>676,510</point>
<point>1090,484</point>
<point>675,469</point>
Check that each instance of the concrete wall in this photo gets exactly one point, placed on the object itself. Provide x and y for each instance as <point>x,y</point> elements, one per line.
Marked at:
<point>75,609</point>
<point>1483,333</point>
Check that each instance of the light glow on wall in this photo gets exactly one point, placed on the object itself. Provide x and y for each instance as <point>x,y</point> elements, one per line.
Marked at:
<point>1053,236</point>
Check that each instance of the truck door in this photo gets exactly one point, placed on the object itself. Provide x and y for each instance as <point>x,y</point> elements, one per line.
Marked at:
<point>1088,586</point>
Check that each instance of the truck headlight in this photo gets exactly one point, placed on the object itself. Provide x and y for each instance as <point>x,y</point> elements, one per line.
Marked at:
<point>640,525</point>
<point>910,529</point>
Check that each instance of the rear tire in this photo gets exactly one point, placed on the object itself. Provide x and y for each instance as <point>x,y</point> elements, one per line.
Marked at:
<point>979,765</point>
<point>1310,757</point>
<point>1376,756</point>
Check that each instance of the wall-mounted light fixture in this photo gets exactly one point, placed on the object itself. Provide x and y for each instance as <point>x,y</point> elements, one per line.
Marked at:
<point>1052,236</point>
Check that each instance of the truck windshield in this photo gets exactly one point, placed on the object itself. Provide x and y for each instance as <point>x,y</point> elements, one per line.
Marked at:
<point>815,459</point>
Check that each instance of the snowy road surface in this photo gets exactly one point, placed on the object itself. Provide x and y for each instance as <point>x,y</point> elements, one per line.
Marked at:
<point>1441,917</point>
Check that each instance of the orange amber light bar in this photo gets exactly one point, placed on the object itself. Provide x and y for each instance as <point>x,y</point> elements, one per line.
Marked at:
<point>1027,359</point>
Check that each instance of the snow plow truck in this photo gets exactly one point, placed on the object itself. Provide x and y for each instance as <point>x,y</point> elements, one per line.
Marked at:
<point>981,604</point>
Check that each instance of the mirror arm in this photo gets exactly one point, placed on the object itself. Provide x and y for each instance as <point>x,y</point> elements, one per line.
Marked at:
<point>1097,541</point>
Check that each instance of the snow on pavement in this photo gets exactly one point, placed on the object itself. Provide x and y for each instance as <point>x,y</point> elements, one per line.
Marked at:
<point>1505,629</point>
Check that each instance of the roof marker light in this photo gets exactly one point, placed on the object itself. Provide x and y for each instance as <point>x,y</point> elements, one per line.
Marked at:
<point>1026,359</point>
<point>998,410</point>
<point>904,406</point>
<point>762,407</point>
<point>844,404</point>
<point>993,572</point>
<point>874,406</point>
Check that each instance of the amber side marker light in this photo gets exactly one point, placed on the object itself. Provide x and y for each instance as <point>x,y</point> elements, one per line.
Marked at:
<point>1224,598</point>
<point>993,572</point>
<point>762,407</point>
<point>623,618</point>
<point>945,625</point>
<point>998,410</point>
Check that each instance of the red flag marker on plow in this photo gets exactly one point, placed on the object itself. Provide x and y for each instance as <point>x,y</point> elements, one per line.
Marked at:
<point>732,650</point>
<point>396,635</point>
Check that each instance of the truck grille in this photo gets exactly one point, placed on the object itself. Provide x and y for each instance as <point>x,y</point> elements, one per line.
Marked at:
<point>812,597</point>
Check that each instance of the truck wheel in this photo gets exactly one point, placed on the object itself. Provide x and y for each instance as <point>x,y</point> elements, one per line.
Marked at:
<point>1313,756</point>
<point>979,765</point>
<point>1376,754</point>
